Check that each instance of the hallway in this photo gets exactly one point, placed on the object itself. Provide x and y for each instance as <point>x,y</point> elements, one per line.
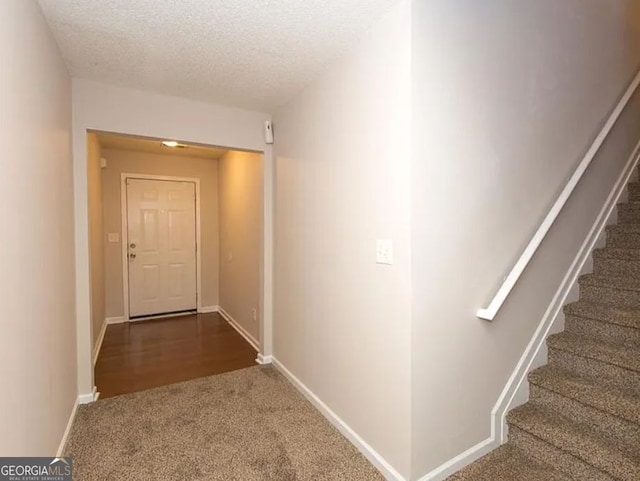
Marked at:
<point>140,355</point>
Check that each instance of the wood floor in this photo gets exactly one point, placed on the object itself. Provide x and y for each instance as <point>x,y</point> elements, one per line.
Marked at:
<point>145,354</point>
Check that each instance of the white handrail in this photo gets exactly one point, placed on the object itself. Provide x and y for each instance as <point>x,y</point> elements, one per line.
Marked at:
<point>490,312</point>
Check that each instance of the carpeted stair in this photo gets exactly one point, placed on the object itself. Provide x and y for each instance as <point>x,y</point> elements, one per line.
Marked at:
<point>582,421</point>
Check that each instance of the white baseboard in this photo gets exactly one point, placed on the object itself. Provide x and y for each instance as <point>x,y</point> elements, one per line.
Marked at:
<point>241,330</point>
<point>67,431</point>
<point>264,359</point>
<point>374,457</point>
<point>208,309</point>
<point>98,346</point>
<point>460,461</point>
<point>116,320</point>
<point>89,398</point>
<point>526,363</point>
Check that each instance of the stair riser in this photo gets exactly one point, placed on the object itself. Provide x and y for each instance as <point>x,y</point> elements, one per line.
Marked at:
<point>616,267</point>
<point>634,192</point>
<point>604,373</point>
<point>624,240</point>
<point>610,296</point>
<point>628,214</point>
<point>560,460</point>
<point>608,424</point>
<point>602,330</point>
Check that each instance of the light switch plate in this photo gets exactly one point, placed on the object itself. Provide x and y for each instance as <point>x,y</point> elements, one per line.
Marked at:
<point>384,251</point>
<point>114,237</point>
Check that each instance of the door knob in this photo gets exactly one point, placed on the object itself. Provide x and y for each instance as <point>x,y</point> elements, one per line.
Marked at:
<point>133,246</point>
<point>132,255</point>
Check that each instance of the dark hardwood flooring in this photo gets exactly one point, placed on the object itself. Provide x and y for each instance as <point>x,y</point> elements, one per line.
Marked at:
<point>145,354</point>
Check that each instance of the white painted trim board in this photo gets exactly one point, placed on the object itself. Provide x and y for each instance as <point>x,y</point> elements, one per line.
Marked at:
<point>90,397</point>
<point>98,346</point>
<point>65,436</point>
<point>238,327</point>
<point>371,454</point>
<point>208,309</point>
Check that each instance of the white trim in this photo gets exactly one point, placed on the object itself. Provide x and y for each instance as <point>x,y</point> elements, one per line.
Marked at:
<point>115,320</point>
<point>208,309</point>
<point>490,312</point>
<point>125,241</point>
<point>241,330</point>
<point>98,346</point>
<point>461,460</point>
<point>264,360</point>
<point>371,454</point>
<point>89,398</point>
<point>67,431</point>
<point>519,375</point>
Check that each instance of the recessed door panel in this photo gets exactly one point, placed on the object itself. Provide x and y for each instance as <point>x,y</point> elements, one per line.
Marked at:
<point>150,282</point>
<point>150,240</point>
<point>161,231</point>
<point>177,221</point>
<point>176,280</point>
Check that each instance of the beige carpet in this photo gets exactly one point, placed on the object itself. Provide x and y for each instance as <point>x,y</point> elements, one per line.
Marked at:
<point>246,425</point>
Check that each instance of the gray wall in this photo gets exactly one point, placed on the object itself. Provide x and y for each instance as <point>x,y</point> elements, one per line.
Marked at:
<point>38,368</point>
<point>342,322</point>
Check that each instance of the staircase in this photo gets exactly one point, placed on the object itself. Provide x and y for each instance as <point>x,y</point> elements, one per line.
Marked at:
<point>582,422</point>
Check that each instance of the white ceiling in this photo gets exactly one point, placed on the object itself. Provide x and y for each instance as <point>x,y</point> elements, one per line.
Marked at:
<point>253,54</point>
<point>154,146</point>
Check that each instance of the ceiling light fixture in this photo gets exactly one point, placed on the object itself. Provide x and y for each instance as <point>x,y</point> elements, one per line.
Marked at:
<point>170,143</point>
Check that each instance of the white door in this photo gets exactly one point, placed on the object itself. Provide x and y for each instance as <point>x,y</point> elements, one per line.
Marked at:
<point>161,237</point>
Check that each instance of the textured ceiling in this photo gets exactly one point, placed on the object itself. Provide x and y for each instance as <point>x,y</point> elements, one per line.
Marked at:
<point>154,146</point>
<point>253,54</point>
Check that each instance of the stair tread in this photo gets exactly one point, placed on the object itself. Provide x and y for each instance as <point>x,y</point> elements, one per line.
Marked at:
<point>602,312</point>
<point>620,253</point>
<point>624,356</point>
<point>508,463</point>
<point>621,462</point>
<point>631,228</point>
<point>623,404</point>
<point>621,283</point>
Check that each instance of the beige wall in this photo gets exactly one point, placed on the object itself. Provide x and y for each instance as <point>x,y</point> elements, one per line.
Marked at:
<point>96,236</point>
<point>507,97</point>
<point>38,368</point>
<point>342,322</point>
<point>119,161</point>
<point>240,206</point>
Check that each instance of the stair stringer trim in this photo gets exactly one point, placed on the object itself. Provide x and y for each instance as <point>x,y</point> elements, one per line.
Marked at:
<point>553,314</point>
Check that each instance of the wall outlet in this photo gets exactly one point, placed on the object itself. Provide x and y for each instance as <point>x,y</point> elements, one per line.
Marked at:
<point>254,313</point>
<point>384,251</point>
<point>230,256</point>
<point>113,237</point>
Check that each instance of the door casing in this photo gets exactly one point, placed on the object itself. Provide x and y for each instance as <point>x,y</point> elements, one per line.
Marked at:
<point>125,240</point>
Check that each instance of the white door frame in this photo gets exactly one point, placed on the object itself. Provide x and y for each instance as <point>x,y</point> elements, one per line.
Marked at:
<point>125,234</point>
